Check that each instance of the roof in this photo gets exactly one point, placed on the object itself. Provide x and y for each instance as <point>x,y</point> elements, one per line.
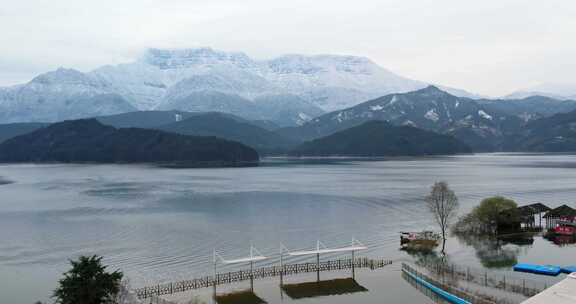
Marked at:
<point>533,209</point>
<point>245,260</point>
<point>561,293</point>
<point>561,211</point>
<point>255,256</point>
<point>327,250</point>
<point>528,210</point>
<point>540,207</point>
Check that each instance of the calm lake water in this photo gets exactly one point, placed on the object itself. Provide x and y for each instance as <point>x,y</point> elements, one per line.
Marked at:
<point>159,224</point>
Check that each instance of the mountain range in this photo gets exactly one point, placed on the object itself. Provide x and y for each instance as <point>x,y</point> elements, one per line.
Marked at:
<point>424,122</point>
<point>222,125</point>
<point>552,90</point>
<point>255,134</point>
<point>288,90</point>
<point>556,133</point>
<point>482,124</point>
<point>270,105</point>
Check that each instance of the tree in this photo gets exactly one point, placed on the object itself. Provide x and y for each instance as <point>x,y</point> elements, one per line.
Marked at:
<point>491,215</point>
<point>88,282</point>
<point>489,212</point>
<point>443,204</point>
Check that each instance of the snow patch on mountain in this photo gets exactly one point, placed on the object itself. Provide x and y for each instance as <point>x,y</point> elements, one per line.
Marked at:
<point>432,115</point>
<point>484,115</point>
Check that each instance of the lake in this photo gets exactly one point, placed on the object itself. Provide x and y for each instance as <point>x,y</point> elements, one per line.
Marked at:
<point>160,225</point>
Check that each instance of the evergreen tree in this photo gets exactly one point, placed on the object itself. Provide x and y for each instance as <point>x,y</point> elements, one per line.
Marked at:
<point>88,282</point>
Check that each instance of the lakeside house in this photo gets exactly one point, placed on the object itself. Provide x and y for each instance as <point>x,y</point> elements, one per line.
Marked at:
<point>524,217</point>
<point>562,220</point>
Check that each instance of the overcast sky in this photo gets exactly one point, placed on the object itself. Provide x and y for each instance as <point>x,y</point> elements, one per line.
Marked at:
<point>490,47</point>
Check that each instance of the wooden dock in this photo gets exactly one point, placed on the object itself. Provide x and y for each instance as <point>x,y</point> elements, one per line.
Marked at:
<point>259,273</point>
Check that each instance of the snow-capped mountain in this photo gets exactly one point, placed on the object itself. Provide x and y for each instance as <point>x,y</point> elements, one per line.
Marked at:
<point>214,101</point>
<point>327,81</point>
<point>289,90</point>
<point>335,82</point>
<point>146,81</point>
<point>177,79</point>
<point>287,110</point>
<point>61,94</point>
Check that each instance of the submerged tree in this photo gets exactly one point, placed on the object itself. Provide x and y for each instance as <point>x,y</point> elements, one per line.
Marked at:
<point>491,215</point>
<point>489,212</point>
<point>88,282</point>
<point>443,204</point>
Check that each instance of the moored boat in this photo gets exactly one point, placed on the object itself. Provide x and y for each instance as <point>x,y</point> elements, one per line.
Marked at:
<point>424,240</point>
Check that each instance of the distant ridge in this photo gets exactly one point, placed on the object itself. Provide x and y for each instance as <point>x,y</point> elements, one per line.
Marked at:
<point>556,133</point>
<point>90,141</point>
<point>8,131</point>
<point>228,127</point>
<point>562,91</point>
<point>378,138</point>
<point>256,134</point>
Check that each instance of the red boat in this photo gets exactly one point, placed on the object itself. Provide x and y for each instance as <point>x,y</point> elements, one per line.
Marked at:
<point>566,227</point>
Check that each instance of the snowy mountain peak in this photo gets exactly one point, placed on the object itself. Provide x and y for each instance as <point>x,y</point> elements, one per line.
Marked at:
<point>321,63</point>
<point>62,75</point>
<point>186,58</point>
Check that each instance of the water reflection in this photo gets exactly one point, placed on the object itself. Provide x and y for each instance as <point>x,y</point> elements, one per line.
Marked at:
<point>5,181</point>
<point>323,288</point>
<point>422,258</point>
<point>562,240</point>
<point>160,225</point>
<point>239,297</point>
<point>518,240</point>
<point>494,252</point>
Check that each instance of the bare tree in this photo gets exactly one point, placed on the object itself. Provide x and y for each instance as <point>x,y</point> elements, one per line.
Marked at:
<point>443,204</point>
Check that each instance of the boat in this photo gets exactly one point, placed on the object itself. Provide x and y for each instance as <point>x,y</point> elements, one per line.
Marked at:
<point>549,270</point>
<point>565,228</point>
<point>424,240</point>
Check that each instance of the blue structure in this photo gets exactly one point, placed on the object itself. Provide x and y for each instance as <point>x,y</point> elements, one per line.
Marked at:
<point>548,270</point>
<point>442,293</point>
<point>568,269</point>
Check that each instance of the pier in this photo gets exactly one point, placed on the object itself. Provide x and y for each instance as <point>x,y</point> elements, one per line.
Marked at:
<point>260,273</point>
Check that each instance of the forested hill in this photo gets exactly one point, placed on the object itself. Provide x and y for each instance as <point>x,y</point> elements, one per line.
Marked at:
<point>378,138</point>
<point>556,133</point>
<point>88,140</point>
